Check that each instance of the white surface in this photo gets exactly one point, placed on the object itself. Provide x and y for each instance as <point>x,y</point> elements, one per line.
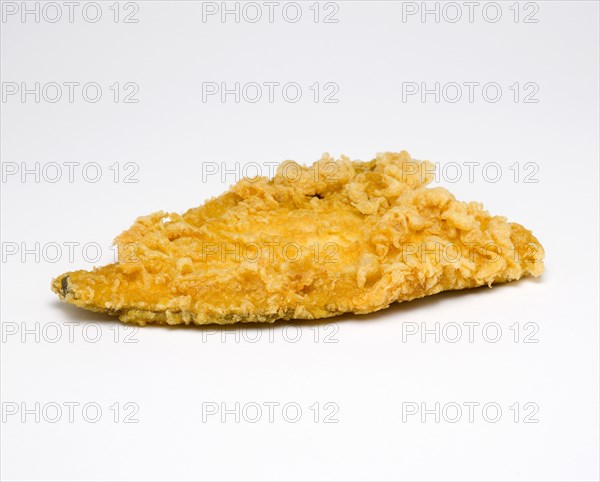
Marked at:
<point>370,372</point>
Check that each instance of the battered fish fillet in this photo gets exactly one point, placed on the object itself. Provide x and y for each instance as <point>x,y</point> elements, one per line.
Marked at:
<point>312,242</point>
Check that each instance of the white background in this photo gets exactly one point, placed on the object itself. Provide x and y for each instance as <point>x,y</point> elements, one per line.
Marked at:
<point>371,371</point>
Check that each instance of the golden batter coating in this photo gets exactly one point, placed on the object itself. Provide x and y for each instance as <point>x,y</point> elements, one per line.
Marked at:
<point>312,242</point>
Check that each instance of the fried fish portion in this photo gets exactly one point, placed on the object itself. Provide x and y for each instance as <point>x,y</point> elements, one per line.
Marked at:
<point>312,242</point>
